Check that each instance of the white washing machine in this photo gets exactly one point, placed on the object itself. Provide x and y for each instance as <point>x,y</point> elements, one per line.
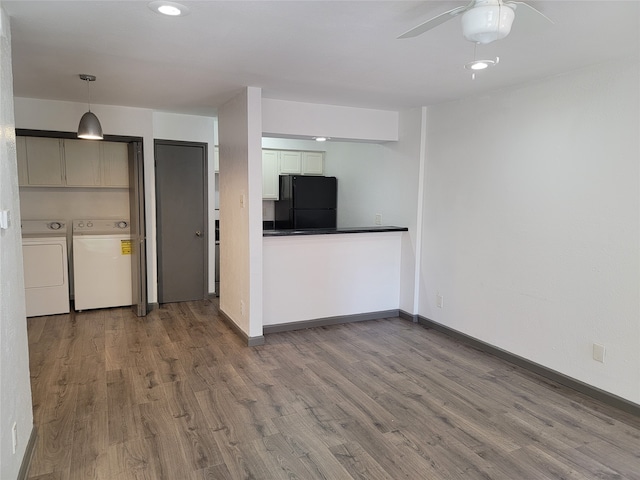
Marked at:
<point>101,264</point>
<point>46,270</point>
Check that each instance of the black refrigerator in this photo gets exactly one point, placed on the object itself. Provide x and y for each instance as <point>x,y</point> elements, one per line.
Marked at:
<point>306,201</point>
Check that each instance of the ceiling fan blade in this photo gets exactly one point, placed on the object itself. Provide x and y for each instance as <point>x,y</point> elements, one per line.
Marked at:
<point>435,21</point>
<point>531,7</point>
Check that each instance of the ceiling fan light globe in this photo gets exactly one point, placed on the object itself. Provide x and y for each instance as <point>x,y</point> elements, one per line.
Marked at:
<point>486,24</point>
<point>169,10</point>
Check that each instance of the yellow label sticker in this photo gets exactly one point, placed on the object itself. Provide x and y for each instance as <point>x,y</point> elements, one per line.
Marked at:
<point>125,247</point>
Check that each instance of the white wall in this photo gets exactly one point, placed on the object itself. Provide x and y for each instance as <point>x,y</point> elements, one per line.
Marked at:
<point>193,128</point>
<point>15,389</point>
<point>403,191</point>
<point>532,215</point>
<point>240,180</point>
<point>321,276</point>
<point>70,203</point>
<point>281,117</point>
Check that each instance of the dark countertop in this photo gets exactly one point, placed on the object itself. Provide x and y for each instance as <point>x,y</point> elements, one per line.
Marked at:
<point>331,231</point>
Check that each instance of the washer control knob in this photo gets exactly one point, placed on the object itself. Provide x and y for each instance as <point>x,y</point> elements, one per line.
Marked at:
<point>89,224</point>
<point>122,224</point>
<point>55,225</point>
<point>80,224</point>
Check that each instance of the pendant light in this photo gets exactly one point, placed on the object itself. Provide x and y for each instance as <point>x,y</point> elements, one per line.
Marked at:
<point>89,128</point>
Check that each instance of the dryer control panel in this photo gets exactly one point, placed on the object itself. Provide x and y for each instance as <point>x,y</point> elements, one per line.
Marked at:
<point>44,227</point>
<point>101,227</point>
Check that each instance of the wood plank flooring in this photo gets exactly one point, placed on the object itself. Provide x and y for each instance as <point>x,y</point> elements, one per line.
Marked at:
<point>175,395</point>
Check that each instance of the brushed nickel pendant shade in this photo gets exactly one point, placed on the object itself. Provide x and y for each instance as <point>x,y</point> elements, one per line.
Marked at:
<point>89,127</point>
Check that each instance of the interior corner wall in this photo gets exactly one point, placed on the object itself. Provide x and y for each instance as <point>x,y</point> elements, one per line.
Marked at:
<point>531,222</point>
<point>15,387</point>
<point>240,181</point>
<point>403,183</point>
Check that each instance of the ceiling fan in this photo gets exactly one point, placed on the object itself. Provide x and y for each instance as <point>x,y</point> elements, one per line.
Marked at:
<point>483,21</point>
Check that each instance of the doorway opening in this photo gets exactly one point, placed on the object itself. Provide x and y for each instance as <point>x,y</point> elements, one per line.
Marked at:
<point>108,186</point>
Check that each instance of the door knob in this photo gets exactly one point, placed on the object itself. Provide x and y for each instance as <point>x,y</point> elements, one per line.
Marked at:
<point>198,233</point>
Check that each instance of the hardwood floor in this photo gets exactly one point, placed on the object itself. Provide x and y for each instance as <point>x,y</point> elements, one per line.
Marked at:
<point>175,395</point>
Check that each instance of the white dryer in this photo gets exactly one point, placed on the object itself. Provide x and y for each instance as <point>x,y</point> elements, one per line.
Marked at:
<point>101,264</point>
<point>46,270</point>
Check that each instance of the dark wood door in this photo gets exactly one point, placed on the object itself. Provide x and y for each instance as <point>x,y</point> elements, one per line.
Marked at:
<point>181,208</point>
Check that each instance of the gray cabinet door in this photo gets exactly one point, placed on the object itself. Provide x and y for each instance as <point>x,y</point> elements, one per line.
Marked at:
<point>181,180</point>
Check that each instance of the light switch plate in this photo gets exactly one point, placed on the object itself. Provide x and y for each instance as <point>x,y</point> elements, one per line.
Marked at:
<point>4,219</point>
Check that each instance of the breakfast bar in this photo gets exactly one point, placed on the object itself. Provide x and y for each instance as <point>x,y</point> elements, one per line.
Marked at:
<point>322,276</point>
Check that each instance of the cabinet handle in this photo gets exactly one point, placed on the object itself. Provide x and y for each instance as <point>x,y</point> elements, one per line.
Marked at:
<point>198,233</point>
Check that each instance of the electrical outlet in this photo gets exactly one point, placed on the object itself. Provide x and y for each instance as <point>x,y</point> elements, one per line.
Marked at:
<point>378,219</point>
<point>439,300</point>
<point>598,352</point>
<point>14,436</point>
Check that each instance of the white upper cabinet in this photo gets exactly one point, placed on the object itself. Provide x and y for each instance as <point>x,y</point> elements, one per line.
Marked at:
<point>270,176</point>
<point>312,163</point>
<point>44,161</point>
<point>115,164</point>
<point>290,162</point>
<point>54,162</point>
<point>82,163</point>
<point>287,162</point>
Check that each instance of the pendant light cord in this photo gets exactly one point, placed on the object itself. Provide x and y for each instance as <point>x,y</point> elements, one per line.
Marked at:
<point>88,93</point>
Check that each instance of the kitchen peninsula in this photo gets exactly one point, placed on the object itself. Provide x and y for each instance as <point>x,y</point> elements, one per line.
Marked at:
<point>317,277</point>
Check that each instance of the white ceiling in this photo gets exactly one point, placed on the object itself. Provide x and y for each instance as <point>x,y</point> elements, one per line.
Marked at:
<point>333,52</point>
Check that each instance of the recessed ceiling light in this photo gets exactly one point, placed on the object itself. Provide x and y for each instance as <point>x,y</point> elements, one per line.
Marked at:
<point>320,139</point>
<point>172,9</point>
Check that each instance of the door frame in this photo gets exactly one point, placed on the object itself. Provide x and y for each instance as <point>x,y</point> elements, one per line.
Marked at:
<point>137,220</point>
<point>205,211</point>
